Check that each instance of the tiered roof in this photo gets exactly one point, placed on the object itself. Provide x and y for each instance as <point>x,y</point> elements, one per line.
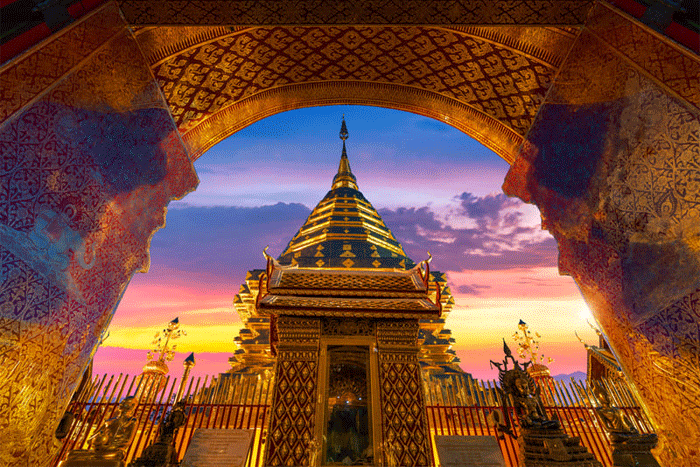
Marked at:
<point>351,293</point>
<point>344,230</point>
<point>344,261</point>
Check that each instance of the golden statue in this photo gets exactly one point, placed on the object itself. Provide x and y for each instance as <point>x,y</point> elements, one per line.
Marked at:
<point>109,443</point>
<point>614,420</point>
<point>526,397</point>
<point>630,447</point>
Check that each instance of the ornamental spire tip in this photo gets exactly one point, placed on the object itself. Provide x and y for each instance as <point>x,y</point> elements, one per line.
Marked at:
<point>344,130</point>
<point>344,177</point>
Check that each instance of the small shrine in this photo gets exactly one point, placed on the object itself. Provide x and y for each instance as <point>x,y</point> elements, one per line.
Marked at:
<point>344,309</point>
<point>601,362</point>
<point>543,441</point>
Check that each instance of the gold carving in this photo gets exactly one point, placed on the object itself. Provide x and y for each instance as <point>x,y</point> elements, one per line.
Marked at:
<point>293,408</point>
<point>190,79</point>
<point>485,129</point>
<point>294,331</point>
<point>347,327</point>
<point>669,64</point>
<point>68,96</point>
<point>28,76</point>
<point>404,423</point>
<point>397,333</point>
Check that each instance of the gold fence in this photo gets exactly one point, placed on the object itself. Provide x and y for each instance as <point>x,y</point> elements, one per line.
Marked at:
<point>456,405</point>
<point>459,405</point>
<point>235,402</point>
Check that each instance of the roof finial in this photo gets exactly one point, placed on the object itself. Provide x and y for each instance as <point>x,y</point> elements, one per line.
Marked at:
<point>344,131</point>
<point>344,177</point>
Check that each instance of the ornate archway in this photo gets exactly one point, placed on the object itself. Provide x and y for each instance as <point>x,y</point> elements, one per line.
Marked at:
<point>598,115</point>
<point>488,82</point>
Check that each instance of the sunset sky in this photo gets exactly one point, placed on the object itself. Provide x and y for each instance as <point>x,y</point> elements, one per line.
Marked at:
<point>435,187</point>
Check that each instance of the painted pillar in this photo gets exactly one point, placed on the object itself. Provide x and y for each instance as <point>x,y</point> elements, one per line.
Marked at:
<point>90,158</point>
<point>292,421</point>
<point>613,163</point>
<point>405,431</point>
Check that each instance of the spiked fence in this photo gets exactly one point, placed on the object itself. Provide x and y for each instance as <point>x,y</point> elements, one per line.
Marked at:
<point>238,402</point>
<point>456,405</point>
<point>459,405</point>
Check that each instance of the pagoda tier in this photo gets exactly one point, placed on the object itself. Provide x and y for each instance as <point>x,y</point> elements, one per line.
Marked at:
<point>349,293</point>
<point>345,231</point>
<point>253,353</point>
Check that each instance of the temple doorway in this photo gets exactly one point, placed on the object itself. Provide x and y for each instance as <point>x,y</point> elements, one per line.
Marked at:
<point>348,428</point>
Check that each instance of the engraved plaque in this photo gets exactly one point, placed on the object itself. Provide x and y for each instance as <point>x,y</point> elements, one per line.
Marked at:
<point>218,448</point>
<point>469,451</point>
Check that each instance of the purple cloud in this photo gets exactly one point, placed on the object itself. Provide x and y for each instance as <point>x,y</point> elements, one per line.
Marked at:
<point>487,210</point>
<point>500,240</point>
<point>225,241</point>
<point>472,289</point>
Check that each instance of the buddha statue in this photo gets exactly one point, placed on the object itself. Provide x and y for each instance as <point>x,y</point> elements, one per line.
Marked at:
<point>614,420</point>
<point>109,443</point>
<point>532,415</point>
<point>161,453</point>
<point>630,447</point>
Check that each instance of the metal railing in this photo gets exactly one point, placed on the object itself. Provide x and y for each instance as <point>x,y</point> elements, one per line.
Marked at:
<point>229,403</point>
<point>456,405</point>
<point>461,406</point>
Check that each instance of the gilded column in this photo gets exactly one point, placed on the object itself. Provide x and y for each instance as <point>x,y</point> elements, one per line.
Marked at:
<point>90,159</point>
<point>612,163</point>
<point>404,420</point>
<point>292,421</point>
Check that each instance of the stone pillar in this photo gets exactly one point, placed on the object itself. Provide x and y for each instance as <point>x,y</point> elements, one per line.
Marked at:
<point>292,421</point>
<point>404,419</point>
<point>90,158</point>
<point>613,163</point>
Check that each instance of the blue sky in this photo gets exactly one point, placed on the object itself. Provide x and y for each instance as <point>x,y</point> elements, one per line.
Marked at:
<point>436,188</point>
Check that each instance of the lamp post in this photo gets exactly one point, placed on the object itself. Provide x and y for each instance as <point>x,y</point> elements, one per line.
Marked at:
<point>188,364</point>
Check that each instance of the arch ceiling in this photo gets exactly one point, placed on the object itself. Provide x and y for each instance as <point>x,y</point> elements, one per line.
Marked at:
<point>486,81</point>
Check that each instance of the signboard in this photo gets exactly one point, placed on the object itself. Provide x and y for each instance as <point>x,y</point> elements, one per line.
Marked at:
<point>218,448</point>
<point>469,451</point>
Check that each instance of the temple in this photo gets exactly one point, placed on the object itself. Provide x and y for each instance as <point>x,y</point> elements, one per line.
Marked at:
<point>595,105</point>
<point>350,320</point>
<point>345,360</point>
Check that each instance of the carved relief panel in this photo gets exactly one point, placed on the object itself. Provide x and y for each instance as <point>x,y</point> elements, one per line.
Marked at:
<point>295,395</point>
<point>404,423</point>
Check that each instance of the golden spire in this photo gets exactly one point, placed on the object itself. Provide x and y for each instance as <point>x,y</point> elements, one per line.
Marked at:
<point>344,177</point>
<point>164,350</point>
<point>188,364</point>
<point>344,230</point>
